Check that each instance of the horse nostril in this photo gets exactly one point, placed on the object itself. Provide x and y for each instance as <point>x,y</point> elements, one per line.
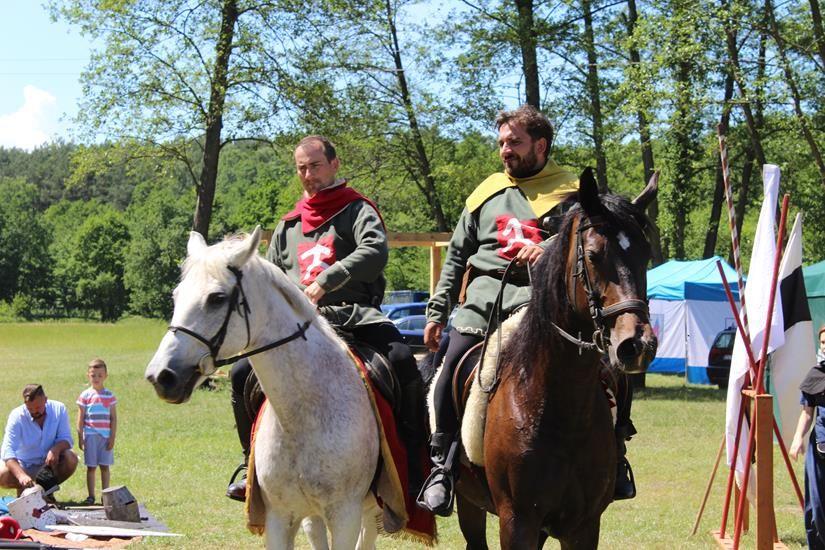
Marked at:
<point>166,379</point>
<point>628,349</point>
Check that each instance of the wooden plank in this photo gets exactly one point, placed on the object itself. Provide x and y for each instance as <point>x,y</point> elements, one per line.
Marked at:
<point>98,531</point>
<point>435,267</point>
<point>398,239</point>
<point>764,472</point>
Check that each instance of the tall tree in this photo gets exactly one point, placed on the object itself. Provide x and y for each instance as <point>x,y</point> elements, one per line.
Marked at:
<point>642,123</point>
<point>593,88</point>
<point>182,78</point>
<point>529,58</point>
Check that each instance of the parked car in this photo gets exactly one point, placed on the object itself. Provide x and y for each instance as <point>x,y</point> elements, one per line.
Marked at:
<point>719,357</point>
<point>411,328</point>
<point>397,311</point>
<point>405,296</point>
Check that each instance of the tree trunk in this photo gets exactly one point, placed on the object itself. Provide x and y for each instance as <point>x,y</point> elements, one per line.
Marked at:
<point>595,100</point>
<point>684,159</point>
<point>420,153</point>
<point>529,59</point>
<point>214,119</point>
<point>790,80</point>
<point>644,141</point>
<point>719,191</point>
<point>738,77</point>
<point>816,15</point>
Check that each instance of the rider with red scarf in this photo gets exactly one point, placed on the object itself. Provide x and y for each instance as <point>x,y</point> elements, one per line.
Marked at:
<point>333,245</point>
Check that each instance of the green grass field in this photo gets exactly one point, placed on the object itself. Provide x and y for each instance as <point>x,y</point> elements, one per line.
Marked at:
<point>176,458</point>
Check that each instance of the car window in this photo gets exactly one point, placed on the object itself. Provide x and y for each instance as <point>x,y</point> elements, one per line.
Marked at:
<point>403,324</point>
<point>724,340</point>
<point>417,323</point>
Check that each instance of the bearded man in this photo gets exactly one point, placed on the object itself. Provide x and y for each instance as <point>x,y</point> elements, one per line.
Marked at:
<point>510,215</point>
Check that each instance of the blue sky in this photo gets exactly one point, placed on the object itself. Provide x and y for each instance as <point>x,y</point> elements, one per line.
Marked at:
<point>40,65</point>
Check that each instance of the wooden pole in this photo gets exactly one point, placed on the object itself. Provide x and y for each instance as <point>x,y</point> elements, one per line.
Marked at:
<point>763,420</point>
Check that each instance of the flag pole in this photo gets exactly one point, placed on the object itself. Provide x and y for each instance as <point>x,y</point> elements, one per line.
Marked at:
<point>734,234</point>
<point>759,385</point>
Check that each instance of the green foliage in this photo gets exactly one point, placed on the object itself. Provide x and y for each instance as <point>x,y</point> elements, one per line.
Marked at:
<point>96,264</point>
<point>24,260</point>
<point>157,219</point>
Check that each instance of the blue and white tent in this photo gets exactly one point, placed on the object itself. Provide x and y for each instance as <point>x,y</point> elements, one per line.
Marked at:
<point>688,308</point>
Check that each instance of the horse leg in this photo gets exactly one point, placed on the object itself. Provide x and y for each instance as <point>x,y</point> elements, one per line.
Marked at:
<point>585,537</point>
<point>316,532</point>
<point>345,525</point>
<point>369,527</point>
<point>473,523</point>
<point>280,531</point>
<point>518,530</point>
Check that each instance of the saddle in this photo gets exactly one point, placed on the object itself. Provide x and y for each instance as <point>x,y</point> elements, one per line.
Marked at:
<point>378,367</point>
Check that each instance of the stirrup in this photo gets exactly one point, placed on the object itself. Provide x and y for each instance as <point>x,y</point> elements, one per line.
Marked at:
<point>242,467</point>
<point>438,476</point>
<point>632,493</point>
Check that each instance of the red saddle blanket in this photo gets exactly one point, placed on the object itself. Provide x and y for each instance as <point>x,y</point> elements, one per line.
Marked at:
<point>391,482</point>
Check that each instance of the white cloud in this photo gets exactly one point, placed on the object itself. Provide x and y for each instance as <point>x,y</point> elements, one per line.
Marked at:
<point>33,123</point>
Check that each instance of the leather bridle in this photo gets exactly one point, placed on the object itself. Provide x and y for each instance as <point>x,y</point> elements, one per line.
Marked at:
<point>237,302</point>
<point>600,341</point>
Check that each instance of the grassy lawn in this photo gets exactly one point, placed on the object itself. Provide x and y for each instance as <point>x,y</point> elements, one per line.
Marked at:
<point>176,458</point>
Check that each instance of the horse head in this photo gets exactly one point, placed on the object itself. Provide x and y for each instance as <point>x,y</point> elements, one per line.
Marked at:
<point>607,282</point>
<point>211,316</point>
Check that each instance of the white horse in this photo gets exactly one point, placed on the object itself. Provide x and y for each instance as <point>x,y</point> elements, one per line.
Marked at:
<point>317,445</point>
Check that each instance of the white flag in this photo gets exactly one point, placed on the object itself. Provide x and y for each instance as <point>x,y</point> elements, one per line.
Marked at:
<point>790,363</point>
<point>757,297</point>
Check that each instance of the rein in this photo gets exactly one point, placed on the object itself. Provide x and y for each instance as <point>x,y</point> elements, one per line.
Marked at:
<point>239,303</point>
<point>600,341</point>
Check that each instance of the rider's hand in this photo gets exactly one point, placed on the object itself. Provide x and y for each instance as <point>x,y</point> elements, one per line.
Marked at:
<point>432,335</point>
<point>530,253</point>
<point>314,292</point>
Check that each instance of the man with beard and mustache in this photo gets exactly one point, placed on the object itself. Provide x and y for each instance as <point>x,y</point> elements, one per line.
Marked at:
<point>510,215</point>
<point>37,444</point>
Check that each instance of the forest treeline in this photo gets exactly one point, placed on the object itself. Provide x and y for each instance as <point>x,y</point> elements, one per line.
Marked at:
<point>190,111</point>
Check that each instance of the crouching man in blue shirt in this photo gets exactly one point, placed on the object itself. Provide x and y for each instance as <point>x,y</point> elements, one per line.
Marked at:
<point>37,441</point>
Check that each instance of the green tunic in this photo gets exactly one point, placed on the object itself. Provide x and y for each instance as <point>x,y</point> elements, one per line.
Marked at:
<point>346,256</point>
<point>487,238</point>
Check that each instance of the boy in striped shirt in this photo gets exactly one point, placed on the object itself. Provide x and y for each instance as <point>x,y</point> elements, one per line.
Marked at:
<point>96,426</point>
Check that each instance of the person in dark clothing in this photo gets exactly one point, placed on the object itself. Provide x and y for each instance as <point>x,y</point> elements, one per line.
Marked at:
<point>333,245</point>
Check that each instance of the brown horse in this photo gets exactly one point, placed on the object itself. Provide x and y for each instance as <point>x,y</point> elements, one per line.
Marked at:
<point>549,446</point>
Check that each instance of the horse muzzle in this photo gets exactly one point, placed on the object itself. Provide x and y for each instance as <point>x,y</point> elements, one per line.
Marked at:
<point>173,385</point>
<point>634,354</point>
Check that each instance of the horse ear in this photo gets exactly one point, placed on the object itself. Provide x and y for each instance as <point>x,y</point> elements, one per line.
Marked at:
<point>649,193</point>
<point>247,250</point>
<point>196,243</point>
<point>589,192</point>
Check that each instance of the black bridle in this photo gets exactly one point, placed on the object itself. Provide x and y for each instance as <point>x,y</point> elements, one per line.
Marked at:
<point>600,341</point>
<point>239,303</point>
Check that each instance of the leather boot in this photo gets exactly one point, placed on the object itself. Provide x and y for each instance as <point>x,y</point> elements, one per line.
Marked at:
<point>237,489</point>
<point>625,483</point>
<point>438,493</point>
<point>413,432</point>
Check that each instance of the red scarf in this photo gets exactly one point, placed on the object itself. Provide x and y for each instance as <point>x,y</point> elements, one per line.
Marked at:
<point>318,209</point>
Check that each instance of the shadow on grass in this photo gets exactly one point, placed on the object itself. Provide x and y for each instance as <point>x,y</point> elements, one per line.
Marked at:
<point>682,393</point>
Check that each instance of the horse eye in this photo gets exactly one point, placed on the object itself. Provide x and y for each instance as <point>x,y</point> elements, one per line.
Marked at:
<point>216,298</point>
<point>594,256</point>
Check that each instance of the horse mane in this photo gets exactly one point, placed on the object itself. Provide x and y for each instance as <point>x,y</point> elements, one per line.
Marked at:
<point>549,302</point>
<point>215,260</point>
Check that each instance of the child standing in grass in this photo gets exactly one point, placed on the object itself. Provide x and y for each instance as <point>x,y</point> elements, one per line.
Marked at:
<point>97,426</point>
